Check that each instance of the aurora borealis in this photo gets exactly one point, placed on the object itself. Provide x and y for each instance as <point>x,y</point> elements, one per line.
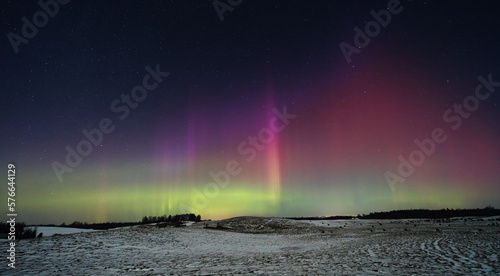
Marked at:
<point>221,109</point>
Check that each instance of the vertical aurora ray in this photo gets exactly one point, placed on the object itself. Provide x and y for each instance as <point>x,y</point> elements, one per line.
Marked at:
<point>101,215</point>
<point>273,171</point>
<point>165,172</point>
<point>273,157</point>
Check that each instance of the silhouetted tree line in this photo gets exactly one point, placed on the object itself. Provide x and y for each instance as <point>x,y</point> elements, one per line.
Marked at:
<point>175,219</point>
<point>145,220</point>
<point>21,232</point>
<point>432,214</point>
<point>416,213</point>
<point>98,226</point>
<point>323,218</point>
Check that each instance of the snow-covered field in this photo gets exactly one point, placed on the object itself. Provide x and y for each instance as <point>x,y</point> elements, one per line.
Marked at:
<point>250,245</point>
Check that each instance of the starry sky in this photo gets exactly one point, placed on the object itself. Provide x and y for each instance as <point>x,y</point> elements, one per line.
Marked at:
<point>113,110</point>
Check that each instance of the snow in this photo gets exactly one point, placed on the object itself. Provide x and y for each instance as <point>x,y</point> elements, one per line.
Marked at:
<point>250,245</point>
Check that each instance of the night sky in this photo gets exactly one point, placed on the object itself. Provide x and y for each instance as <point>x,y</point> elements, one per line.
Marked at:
<point>263,101</point>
